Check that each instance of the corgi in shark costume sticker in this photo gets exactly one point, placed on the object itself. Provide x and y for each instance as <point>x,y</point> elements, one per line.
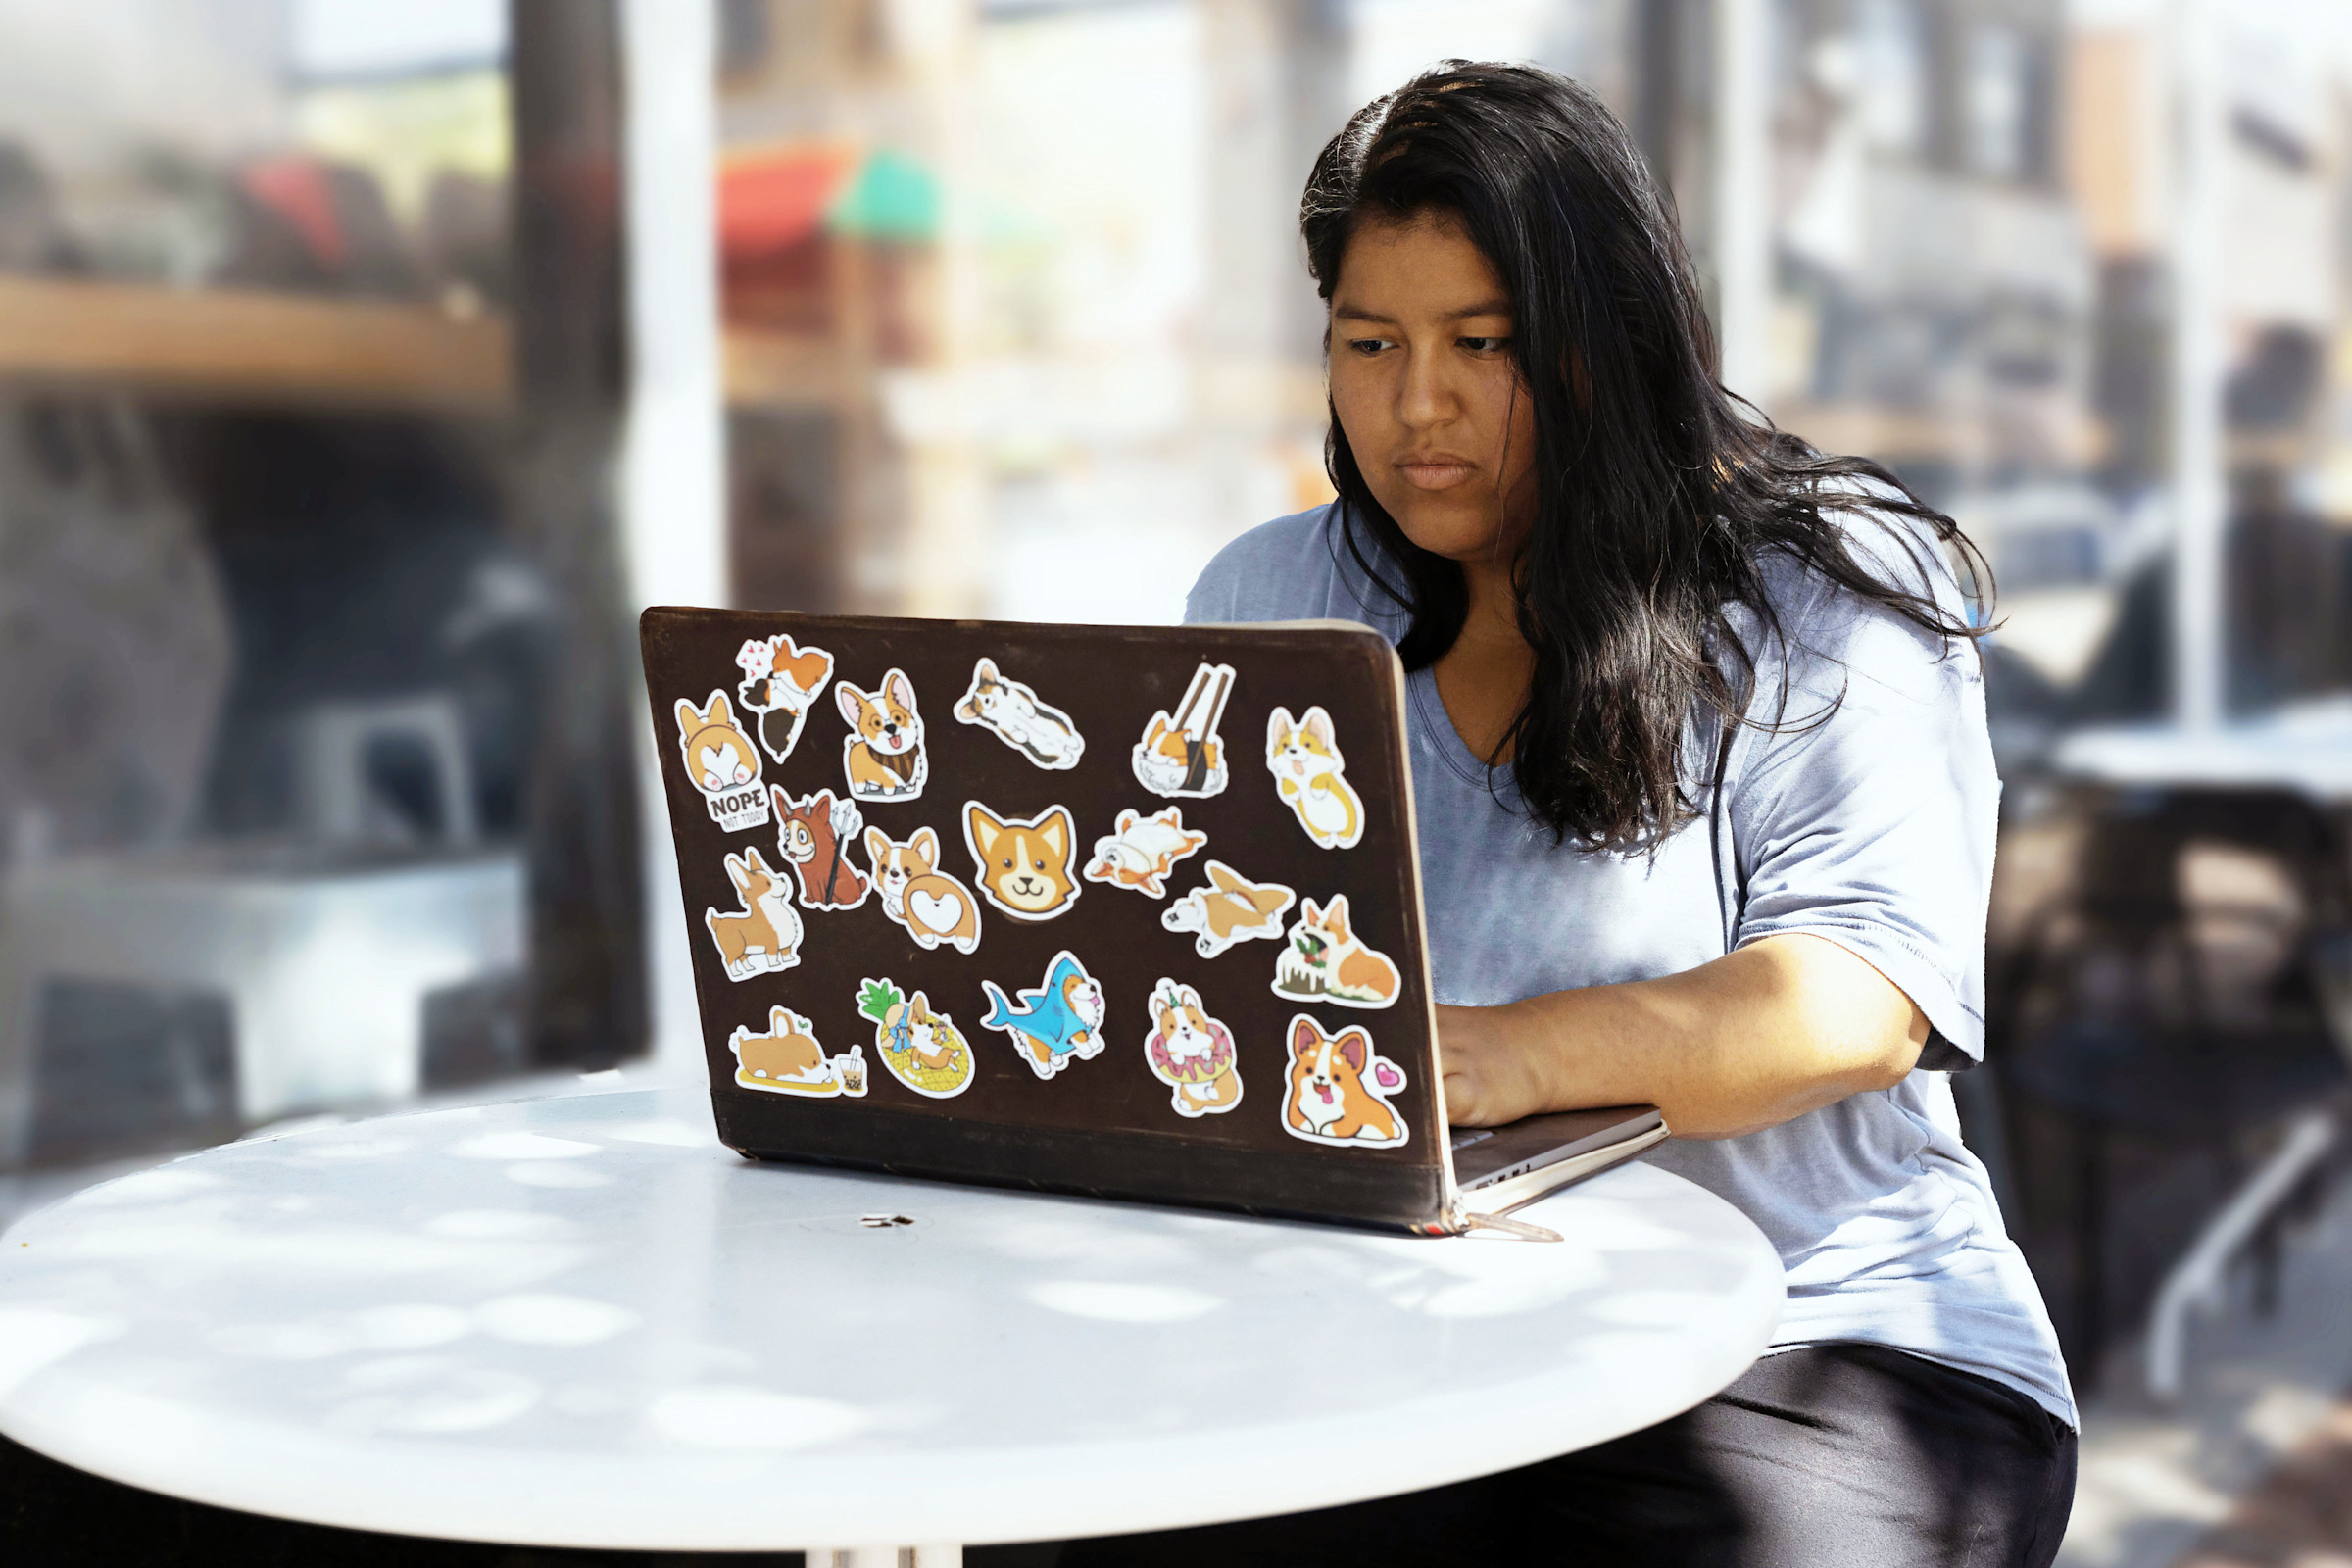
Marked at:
<point>1055,1023</point>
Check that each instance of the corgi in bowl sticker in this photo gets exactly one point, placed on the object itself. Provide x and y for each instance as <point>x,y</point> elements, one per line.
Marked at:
<point>1230,909</point>
<point>1327,962</point>
<point>883,754</point>
<point>1307,766</point>
<point>765,935</point>
<point>814,834</point>
<point>1192,1053</point>
<point>780,683</point>
<point>931,905</point>
<point>1014,712</point>
<point>788,1060</point>
<point>1058,1022</point>
<point>921,1049</point>
<point>1143,851</point>
<point>1023,866</point>
<point>1181,754</point>
<point>723,763</point>
<point>1340,1088</point>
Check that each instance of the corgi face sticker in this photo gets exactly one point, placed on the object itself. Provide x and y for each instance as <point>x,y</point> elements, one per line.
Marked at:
<point>922,1049</point>
<point>1305,762</point>
<point>1143,851</point>
<point>1230,909</point>
<point>1181,754</point>
<point>765,935</point>
<point>1192,1053</point>
<point>723,763</point>
<point>788,1060</point>
<point>883,755</point>
<point>1327,962</point>
<point>1014,714</point>
<point>931,905</point>
<point>1023,866</point>
<point>1058,1022</point>
<point>781,681</point>
<point>1338,1089</point>
<point>814,834</point>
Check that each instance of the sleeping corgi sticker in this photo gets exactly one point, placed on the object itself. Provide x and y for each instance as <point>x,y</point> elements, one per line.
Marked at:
<point>931,905</point>
<point>1023,867</point>
<point>1016,715</point>
<point>765,935</point>
<point>1143,851</point>
<point>1305,762</point>
<point>1192,1053</point>
<point>921,1049</point>
<point>788,1060</point>
<point>1230,909</point>
<point>882,756</point>
<point>1338,1089</point>
<point>1058,1023</point>
<point>780,683</point>
<point>1327,962</point>
<point>723,763</point>
<point>1181,754</point>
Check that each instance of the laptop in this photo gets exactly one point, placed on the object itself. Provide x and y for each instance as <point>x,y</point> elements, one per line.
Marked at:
<point>1126,912</point>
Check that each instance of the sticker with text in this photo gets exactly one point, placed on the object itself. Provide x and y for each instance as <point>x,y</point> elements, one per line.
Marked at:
<point>1307,766</point>
<point>1181,752</point>
<point>882,756</point>
<point>931,905</point>
<point>765,935</point>
<point>921,1049</point>
<point>788,1060</point>
<point>1339,1089</point>
<point>781,681</point>
<point>1023,866</point>
<point>1143,851</point>
<point>723,763</point>
<point>1192,1053</point>
<point>814,834</point>
<point>1055,1023</point>
<point>1230,909</point>
<point>1327,962</point>
<point>1014,712</point>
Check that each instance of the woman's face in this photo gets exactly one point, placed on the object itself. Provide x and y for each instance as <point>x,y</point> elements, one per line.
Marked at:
<point>1422,378</point>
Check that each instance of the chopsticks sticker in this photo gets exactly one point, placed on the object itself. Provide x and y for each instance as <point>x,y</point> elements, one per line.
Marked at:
<point>1181,754</point>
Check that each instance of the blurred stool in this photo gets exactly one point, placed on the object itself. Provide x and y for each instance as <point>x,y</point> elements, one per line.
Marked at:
<point>340,747</point>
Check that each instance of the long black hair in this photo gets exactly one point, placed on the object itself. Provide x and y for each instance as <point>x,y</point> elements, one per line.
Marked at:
<point>1660,498</point>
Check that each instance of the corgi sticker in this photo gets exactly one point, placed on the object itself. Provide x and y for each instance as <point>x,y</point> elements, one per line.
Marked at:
<point>1014,712</point>
<point>1143,851</point>
<point>1192,1053</point>
<point>1058,1022</point>
<point>780,683</point>
<point>1181,754</point>
<point>882,757</point>
<point>814,834</point>
<point>765,935</point>
<point>921,1049</point>
<point>931,905</point>
<point>723,763</point>
<point>1307,766</point>
<point>1230,909</point>
<point>788,1060</point>
<point>1338,1089</point>
<point>1023,867</point>
<point>1327,962</point>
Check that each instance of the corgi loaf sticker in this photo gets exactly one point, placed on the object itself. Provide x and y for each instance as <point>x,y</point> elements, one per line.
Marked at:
<point>723,763</point>
<point>1305,762</point>
<point>1023,866</point>
<point>921,1049</point>
<point>780,684</point>
<point>788,1060</point>
<point>1192,1053</point>
<point>931,905</point>
<point>1327,962</point>
<point>1340,1088</point>
<point>1143,851</point>
<point>1181,754</point>
<point>763,937</point>
<point>1230,909</point>
<point>1058,1023</point>
<point>883,755</point>
<point>1014,714</point>
<point>814,834</point>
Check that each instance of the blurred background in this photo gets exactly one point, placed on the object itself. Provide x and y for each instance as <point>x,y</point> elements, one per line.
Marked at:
<point>363,369</point>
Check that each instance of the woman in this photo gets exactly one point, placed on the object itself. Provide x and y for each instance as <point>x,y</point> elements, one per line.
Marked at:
<point>1706,814</point>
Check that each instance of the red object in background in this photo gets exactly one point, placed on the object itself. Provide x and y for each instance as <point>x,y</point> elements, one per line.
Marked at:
<point>298,190</point>
<point>770,204</point>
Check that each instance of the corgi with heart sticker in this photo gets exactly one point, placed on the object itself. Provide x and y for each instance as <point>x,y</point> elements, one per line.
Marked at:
<point>1340,1088</point>
<point>931,905</point>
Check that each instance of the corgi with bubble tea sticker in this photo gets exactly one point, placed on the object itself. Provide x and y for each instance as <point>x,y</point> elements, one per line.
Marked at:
<point>882,757</point>
<point>722,764</point>
<point>1304,759</point>
<point>1338,1089</point>
<point>1181,754</point>
<point>781,681</point>
<point>788,1060</point>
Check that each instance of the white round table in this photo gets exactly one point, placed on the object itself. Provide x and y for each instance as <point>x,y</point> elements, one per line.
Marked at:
<point>581,1322</point>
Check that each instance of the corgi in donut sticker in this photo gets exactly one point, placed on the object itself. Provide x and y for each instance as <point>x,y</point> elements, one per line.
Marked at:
<point>1023,866</point>
<point>1230,909</point>
<point>931,905</point>
<point>921,1049</point>
<point>883,755</point>
<point>1192,1053</point>
<point>1338,1089</point>
<point>788,1060</point>
<point>765,935</point>
<point>1181,754</point>
<point>1327,962</point>
<point>1014,712</point>
<point>1143,851</point>
<point>781,681</point>
<point>1307,766</point>
<point>723,763</point>
<point>1058,1023</point>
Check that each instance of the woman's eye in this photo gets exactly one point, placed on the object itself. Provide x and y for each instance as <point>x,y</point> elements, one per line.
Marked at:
<point>1485,345</point>
<point>1367,346</point>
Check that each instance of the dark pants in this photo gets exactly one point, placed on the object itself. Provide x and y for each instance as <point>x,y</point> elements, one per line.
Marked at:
<point>1837,1456</point>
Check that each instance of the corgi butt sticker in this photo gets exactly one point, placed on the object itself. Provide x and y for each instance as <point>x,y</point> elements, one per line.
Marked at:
<point>1023,866</point>
<point>1190,1052</point>
<point>781,681</point>
<point>921,1049</point>
<point>1181,754</point>
<point>1014,712</point>
<point>1338,1089</point>
<point>788,1060</point>
<point>1304,759</point>
<point>814,834</point>
<point>882,757</point>
<point>722,763</point>
<point>1143,851</point>
<point>765,935</point>
<point>1230,909</point>
<point>931,905</point>
<point>1057,1022</point>
<point>1325,961</point>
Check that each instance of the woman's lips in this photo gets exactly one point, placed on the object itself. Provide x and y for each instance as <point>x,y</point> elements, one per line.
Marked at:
<point>1435,473</point>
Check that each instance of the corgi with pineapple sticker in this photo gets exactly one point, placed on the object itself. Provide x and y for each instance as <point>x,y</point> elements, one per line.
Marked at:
<point>1327,962</point>
<point>765,935</point>
<point>920,1048</point>
<point>883,755</point>
<point>1304,759</point>
<point>722,764</point>
<point>780,684</point>
<point>788,1060</point>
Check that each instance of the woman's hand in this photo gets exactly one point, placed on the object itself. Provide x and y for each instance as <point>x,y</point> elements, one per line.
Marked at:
<point>1492,1075</point>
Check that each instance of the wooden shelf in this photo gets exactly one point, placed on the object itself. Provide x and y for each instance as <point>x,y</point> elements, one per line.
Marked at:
<point>248,345</point>
<point>779,370</point>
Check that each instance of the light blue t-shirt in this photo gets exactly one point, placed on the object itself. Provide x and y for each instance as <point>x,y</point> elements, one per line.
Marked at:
<point>1868,818</point>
